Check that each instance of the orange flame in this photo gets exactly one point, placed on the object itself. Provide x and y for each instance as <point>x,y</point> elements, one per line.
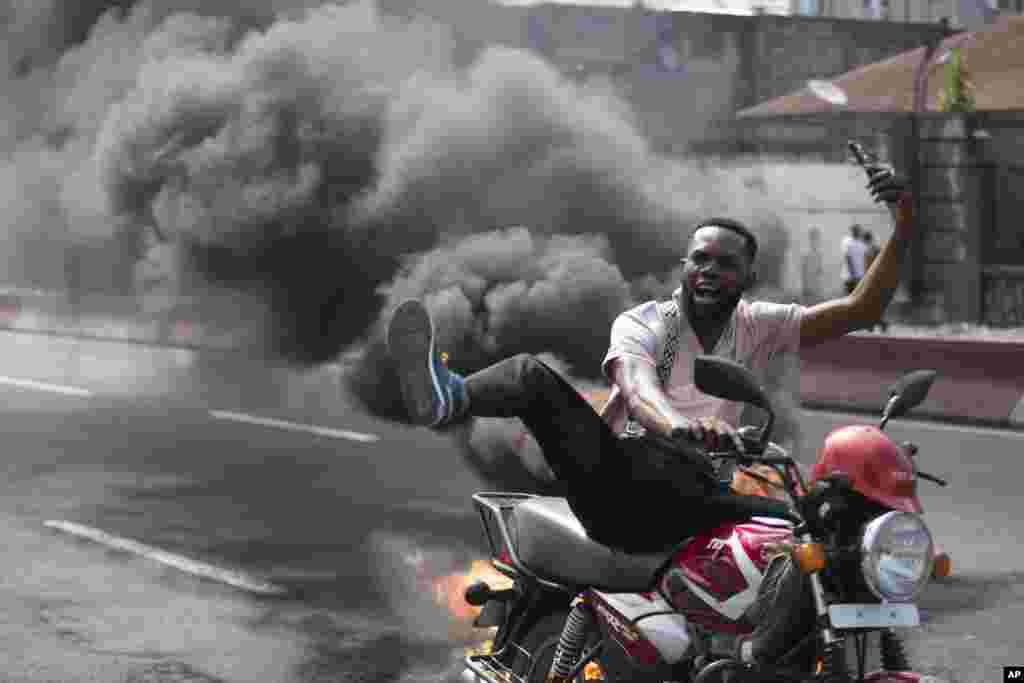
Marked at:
<point>449,594</point>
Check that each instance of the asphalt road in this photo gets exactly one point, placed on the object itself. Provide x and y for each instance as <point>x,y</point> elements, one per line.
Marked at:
<point>329,516</point>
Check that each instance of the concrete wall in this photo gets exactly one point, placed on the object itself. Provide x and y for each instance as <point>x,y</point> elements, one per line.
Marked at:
<point>682,72</point>
<point>970,262</point>
<point>1001,151</point>
<point>812,137</point>
<point>894,10</point>
<point>951,201</point>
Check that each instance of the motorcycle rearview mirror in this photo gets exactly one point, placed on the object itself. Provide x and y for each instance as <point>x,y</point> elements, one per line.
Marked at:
<point>729,380</point>
<point>733,382</point>
<point>907,393</point>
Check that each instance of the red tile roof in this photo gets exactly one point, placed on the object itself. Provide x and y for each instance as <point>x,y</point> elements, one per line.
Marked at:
<point>993,60</point>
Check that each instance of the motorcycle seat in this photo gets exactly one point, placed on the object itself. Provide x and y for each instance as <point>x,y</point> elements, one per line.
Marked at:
<point>552,544</point>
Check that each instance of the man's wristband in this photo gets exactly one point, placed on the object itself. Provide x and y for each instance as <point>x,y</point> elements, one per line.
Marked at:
<point>903,216</point>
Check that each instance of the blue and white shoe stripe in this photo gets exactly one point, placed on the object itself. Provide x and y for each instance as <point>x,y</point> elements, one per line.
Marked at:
<point>440,408</point>
<point>433,397</point>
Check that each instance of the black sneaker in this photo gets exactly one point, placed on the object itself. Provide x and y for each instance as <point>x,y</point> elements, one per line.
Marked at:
<point>434,395</point>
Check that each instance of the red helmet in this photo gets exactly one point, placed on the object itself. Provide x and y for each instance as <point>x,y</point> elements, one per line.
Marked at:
<point>878,469</point>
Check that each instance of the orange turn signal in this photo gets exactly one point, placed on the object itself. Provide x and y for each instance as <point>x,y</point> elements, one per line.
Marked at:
<point>593,672</point>
<point>810,557</point>
<point>943,566</point>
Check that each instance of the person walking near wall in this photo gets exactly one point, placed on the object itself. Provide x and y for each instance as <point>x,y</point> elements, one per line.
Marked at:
<point>854,251</point>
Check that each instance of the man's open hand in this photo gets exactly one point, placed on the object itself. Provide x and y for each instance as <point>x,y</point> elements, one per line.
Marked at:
<point>885,185</point>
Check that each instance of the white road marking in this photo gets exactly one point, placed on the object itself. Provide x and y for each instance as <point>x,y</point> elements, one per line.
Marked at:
<point>189,566</point>
<point>293,426</point>
<point>44,386</point>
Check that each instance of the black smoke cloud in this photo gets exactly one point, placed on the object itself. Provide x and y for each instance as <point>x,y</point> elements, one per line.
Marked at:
<point>306,161</point>
<point>327,162</point>
<point>37,32</point>
<point>253,157</point>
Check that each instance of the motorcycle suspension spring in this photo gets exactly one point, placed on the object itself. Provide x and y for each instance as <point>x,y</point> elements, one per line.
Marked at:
<point>894,654</point>
<point>570,643</point>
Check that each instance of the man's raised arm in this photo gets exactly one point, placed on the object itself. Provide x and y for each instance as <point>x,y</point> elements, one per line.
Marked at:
<point>867,303</point>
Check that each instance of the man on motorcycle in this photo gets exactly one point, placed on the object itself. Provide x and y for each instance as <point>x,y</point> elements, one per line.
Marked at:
<point>620,480</point>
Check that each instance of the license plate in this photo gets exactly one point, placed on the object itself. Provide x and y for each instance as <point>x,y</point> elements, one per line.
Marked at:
<point>873,616</point>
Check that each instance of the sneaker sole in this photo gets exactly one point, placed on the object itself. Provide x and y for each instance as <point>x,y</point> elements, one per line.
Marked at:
<point>411,346</point>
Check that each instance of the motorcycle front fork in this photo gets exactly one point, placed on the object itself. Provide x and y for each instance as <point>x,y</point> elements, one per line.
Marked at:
<point>833,658</point>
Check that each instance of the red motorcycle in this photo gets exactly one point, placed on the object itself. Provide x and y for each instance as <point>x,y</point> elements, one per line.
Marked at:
<point>785,600</point>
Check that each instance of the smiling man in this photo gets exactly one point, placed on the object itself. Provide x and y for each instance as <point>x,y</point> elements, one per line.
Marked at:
<point>626,490</point>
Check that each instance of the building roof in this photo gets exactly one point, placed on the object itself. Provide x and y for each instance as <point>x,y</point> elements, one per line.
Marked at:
<point>992,58</point>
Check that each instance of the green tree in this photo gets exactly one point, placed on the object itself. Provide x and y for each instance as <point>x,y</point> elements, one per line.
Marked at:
<point>956,94</point>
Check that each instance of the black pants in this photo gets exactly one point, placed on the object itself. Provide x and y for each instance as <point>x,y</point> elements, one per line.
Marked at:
<point>627,493</point>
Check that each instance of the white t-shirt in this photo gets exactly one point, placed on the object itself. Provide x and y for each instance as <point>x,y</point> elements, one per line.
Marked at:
<point>856,251</point>
<point>757,333</point>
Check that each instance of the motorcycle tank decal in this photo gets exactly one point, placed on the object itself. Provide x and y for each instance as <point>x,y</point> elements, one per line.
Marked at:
<point>697,611</point>
<point>634,605</point>
<point>647,642</point>
<point>723,569</point>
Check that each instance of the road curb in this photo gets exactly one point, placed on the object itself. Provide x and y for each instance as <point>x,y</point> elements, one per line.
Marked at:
<point>979,381</point>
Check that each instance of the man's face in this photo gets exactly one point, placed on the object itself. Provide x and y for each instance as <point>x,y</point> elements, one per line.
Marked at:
<point>715,271</point>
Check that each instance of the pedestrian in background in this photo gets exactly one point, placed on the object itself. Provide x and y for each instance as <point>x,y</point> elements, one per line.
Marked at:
<point>813,270</point>
<point>854,251</point>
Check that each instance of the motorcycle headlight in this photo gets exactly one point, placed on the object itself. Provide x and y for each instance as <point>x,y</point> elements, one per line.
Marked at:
<point>896,556</point>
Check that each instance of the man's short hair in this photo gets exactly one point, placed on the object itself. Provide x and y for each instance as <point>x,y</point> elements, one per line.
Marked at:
<point>736,227</point>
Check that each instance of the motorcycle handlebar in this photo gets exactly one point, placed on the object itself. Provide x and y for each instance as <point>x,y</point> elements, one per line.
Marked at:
<point>753,456</point>
<point>750,458</point>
